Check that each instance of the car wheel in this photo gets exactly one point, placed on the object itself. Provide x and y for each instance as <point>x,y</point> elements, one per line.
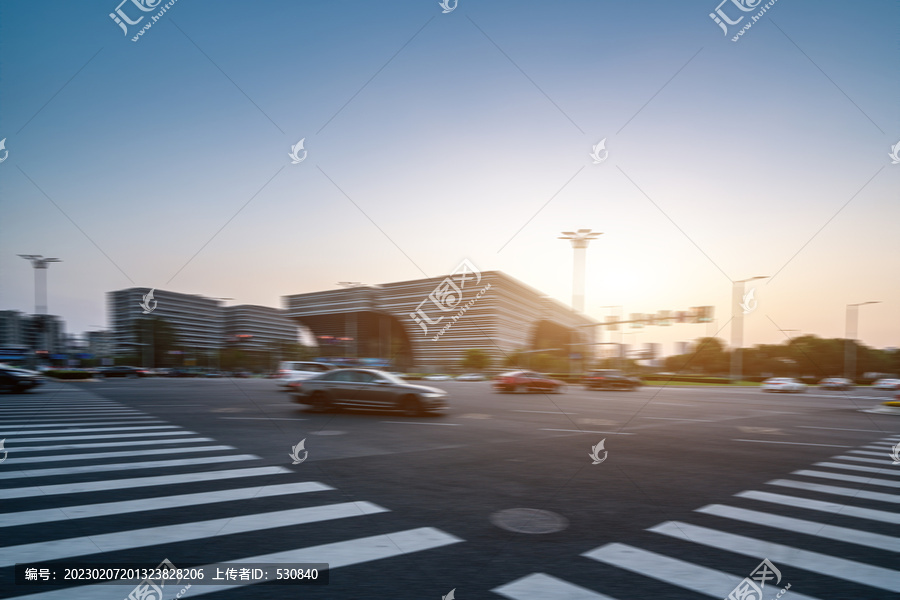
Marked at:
<point>411,406</point>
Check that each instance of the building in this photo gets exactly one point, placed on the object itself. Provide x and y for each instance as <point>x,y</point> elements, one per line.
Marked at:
<point>259,328</point>
<point>198,321</point>
<point>429,324</point>
<point>12,328</point>
<point>100,344</point>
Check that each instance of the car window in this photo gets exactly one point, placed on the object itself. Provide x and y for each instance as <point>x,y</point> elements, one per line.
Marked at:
<point>363,377</point>
<point>334,376</point>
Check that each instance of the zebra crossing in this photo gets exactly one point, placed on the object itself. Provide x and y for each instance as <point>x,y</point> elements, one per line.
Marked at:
<point>74,486</point>
<point>867,521</point>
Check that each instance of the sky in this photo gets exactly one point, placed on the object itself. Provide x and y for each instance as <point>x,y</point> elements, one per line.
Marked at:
<point>433,137</point>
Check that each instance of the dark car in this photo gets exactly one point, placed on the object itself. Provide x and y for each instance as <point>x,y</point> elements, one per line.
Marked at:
<point>367,388</point>
<point>17,381</point>
<point>610,379</point>
<point>123,371</point>
<point>527,381</point>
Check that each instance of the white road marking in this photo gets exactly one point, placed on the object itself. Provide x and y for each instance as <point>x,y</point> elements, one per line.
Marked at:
<point>790,443</point>
<point>66,438</point>
<point>121,454</point>
<point>882,471</point>
<point>842,429</point>
<point>87,430</point>
<point>870,453</point>
<point>814,562</point>
<point>829,507</point>
<point>170,534</point>
<point>337,554</point>
<point>136,482</point>
<point>153,420</point>
<point>540,586</point>
<point>107,444</point>
<point>695,578</point>
<point>150,464</point>
<point>879,461</point>
<point>87,511</point>
<point>832,532</point>
<point>584,431</point>
<point>838,491</point>
<point>850,478</point>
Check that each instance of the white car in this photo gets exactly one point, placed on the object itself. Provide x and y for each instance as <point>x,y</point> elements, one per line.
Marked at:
<point>782,384</point>
<point>296,370</point>
<point>471,377</point>
<point>437,377</point>
<point>886,384</point>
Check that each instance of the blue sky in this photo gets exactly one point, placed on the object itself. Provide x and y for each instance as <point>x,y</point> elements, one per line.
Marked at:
<point>434,137</point>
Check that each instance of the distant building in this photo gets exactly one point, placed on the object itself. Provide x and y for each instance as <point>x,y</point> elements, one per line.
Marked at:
<point>198,321</point>
<point>429,324</point>
<point>99,344</point>
<point>261,328</point>
<point>12,328</point>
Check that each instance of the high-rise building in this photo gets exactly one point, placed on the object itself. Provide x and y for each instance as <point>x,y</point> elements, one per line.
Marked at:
<point>260,328</point>
<point>12,328</point>
<point>198,321</point>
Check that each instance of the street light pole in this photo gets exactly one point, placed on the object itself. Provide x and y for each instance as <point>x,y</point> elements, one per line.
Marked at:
<point>580,240</point>
<point>737,326</point>
<point>850,340</point>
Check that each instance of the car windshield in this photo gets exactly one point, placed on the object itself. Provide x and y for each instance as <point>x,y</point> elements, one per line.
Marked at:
<point>388,376</point>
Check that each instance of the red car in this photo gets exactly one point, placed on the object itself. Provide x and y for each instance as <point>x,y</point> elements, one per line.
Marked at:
<point>527,381</point>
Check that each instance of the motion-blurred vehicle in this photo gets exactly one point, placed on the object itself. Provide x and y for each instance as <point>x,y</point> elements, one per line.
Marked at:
<point>471,377</point>
<point>527,381</point>
<point>437,377</point>
<point>297,370</point>
<point>16,381</point>
<point>886,384</point>
<point>782,384</point>
<point>367,388</point>
<point>123,371</point>
<point>836,383</point>
<point>610,379</point>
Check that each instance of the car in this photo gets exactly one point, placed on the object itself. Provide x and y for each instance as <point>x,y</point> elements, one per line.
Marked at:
<point>886,384</point>
<point>471,377</point>
<point>835,383</point>
<point>782,384</point>
<point>437,377</point>
<point>610,379</point>
<point>123,371</point>
<point>16,381</point>
<point>294,370</point>
<point>527,381</point>
<point>367,388</point>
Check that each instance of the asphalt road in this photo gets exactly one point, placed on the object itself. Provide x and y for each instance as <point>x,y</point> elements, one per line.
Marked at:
<point>497,499</point>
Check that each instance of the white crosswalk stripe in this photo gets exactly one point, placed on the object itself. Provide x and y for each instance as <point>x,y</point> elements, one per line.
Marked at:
<point>252,508</point>
<point>857,524</point>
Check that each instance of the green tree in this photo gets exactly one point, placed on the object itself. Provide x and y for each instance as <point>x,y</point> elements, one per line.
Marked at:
<point>160,337</point>
<point>476,359</point>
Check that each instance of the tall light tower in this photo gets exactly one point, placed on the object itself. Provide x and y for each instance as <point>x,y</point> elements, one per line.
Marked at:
<point>850,340</point>
<point>40,280</point>
<point>580,240</point>
<point>737,326</point>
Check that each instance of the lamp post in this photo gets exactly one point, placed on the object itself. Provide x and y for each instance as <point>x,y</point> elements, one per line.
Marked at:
<point>580,240</point>
<point>39,263</point>
<point>850,339</point>
<point>737,326</point>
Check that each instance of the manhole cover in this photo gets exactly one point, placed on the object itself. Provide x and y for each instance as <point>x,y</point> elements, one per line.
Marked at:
<point>328,432</point>
<point>529,520</point>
